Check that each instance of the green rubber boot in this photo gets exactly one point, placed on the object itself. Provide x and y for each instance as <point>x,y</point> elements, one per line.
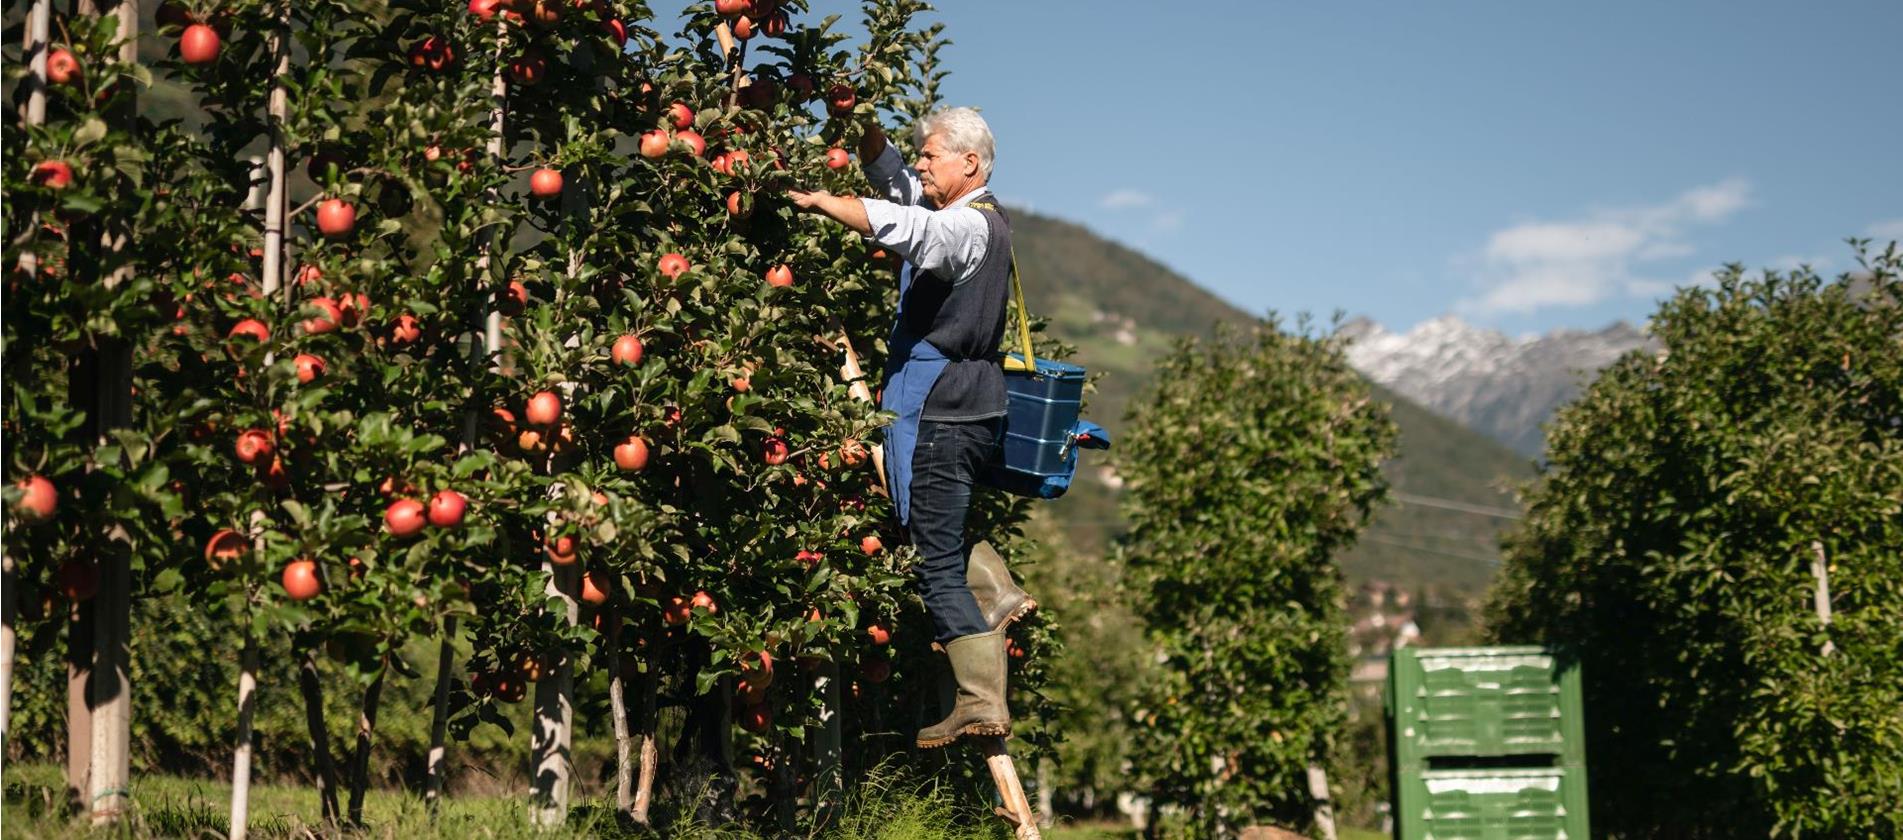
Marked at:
<point>978,664</point>
<point>999,598</point>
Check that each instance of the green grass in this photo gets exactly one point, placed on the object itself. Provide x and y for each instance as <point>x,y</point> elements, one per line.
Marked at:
<point>883,809</point>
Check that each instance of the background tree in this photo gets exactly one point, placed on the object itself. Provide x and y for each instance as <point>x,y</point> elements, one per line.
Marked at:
<point>1256,458</point>
<point>1717,535</point>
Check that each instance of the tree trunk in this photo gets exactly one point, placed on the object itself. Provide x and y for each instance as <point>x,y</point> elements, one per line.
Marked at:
<point>366,726</point>
<point>618,710</point>
<point>313,691</point>
<point>552,736</point>
<point>9,596</point>
<point>110,692</point>
<point>648,724</point>
<point>439,721</point>
<point>241,756</point>
<point>1324,803</point>
<point>829,778</point>
<point>79,713</point>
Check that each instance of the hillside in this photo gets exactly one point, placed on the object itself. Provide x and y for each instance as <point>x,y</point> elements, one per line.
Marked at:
<point>1122,310</point>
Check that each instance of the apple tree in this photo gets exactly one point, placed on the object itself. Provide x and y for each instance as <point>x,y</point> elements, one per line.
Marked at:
<point>1254,460</point>
<point>1716,535</point>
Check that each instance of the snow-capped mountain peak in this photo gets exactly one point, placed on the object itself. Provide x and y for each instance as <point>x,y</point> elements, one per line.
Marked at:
<point>1501,386</point>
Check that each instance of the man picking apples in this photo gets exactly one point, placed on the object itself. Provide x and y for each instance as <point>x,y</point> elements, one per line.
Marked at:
<point>945,381</point>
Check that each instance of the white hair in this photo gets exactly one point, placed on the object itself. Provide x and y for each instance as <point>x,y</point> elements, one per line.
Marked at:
<point>961,131</point>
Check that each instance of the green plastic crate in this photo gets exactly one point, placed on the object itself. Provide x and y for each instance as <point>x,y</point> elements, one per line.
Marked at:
<point>1483,702</point>
<point>1492,804</point>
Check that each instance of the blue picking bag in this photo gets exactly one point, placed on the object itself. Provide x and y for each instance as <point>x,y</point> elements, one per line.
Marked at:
<point>1042,429</point>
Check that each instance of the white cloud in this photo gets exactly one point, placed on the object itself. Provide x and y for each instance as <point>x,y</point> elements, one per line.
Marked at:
<point>1167,221</point>
<point>1124,199</point>
<point>1577,262</point>
<point>1891,229</point>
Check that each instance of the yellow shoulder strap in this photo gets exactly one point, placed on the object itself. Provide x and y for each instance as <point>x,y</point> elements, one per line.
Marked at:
<point>1029,362</point>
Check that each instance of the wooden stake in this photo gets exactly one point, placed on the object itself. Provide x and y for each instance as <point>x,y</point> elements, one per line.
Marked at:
<point>551,736</point>
<point>1820,569</point>
<point>618,713</point>
<point>9,597</point>
<point>1017,808</point>
<point>829,779</point>
<point>241,757</point>
<point>110,694</point>
<point>1324,803</point>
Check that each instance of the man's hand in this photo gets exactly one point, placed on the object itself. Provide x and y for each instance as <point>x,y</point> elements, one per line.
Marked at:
<point>871,143</point>
<point>807,200</point>
<point>846,210</point>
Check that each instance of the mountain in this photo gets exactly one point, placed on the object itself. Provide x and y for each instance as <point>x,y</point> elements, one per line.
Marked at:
<point>1502,387</point>
<point>1123,310</point>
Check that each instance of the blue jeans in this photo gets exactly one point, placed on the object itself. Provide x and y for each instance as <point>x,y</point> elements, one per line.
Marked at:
<point>945,466</point>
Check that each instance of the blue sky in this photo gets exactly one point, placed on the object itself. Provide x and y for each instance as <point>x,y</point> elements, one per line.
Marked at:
<point>1524,165</point>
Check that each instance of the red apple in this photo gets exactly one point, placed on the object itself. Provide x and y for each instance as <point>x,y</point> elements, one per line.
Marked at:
<point>38,501</point>
<point>732,8</point>
<point>681,115</point>
<point>759,716</point>
<point>300,580</point>
<point>654,143</point>
<point>198,44</point>
<point>485,10</point>
<point>446,509</point>
<point>736,204</point>
<point>329,314</point>
<point>773,451</point>
<point>809,559</point>
<point>840,99</point>
<point>779,275</point>
<point>694,141</point>
<point>309,367</point>
<point>561,550</point>
<point>404,517</point>
<point>335,217</point>
<point>626,350</point>
<point>677,611</point>
<point>528,70</point>
<point>512,299</point>
<point>743,27</point>
<point>590,592</point>
<point>434,53</point>
<point>704,601</point>
<point>837,158</point>
<point>406,329</point>
<point>673,266</point>
<point>631,455</point>
<point>616,30</point>
<point>544,409</point>
<point>62,67</point>
<point>53,174</point>
<point>546,183</point>
<point>879,635</point>
<point>224,547</point>
<point>251,328</point>
<point>871,544</point>
<point>254,445</point>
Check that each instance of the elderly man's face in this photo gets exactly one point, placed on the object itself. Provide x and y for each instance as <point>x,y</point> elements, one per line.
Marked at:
<point>945,176</point>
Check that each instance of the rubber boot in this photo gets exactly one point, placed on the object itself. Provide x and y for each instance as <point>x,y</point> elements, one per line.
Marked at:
<point>999,598</point>
<point>978,664</point>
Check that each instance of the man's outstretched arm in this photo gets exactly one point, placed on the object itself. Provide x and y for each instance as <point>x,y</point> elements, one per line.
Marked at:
<point>844,209</point>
